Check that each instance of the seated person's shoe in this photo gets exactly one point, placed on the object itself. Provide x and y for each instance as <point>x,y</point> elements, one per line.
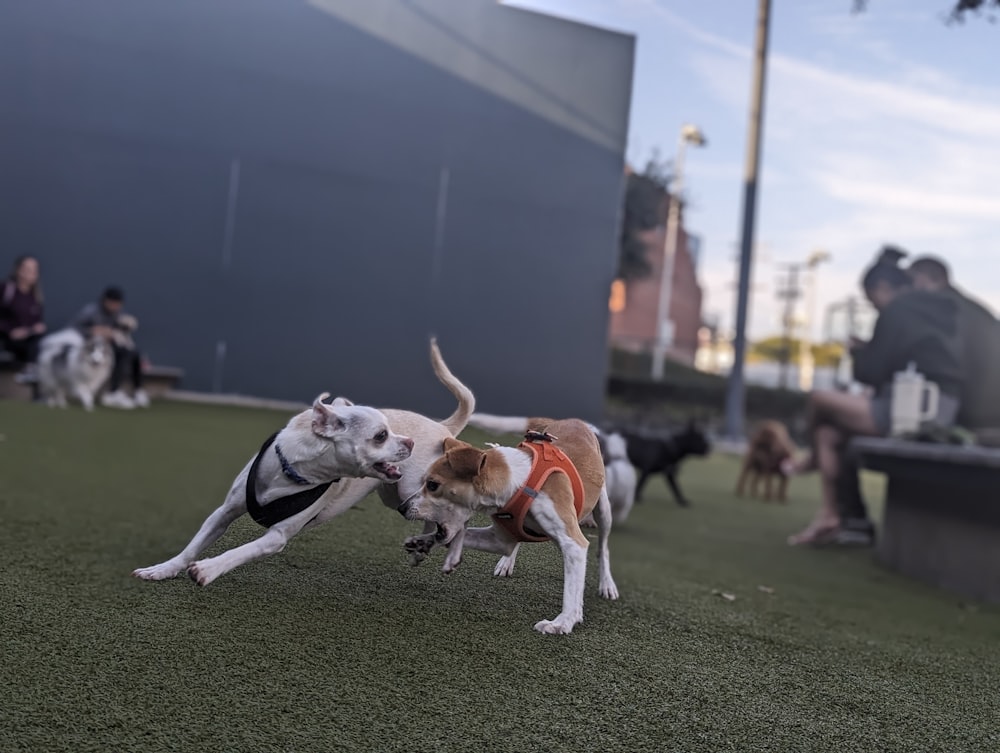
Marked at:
<point>855,533</point>
<point>117,399</point>
<point>141,399</point>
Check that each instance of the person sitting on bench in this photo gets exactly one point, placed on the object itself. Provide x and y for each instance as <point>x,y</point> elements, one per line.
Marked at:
<point>917,327</point>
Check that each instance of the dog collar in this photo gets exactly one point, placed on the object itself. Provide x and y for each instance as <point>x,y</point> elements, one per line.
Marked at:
<point>288,470</point>
<point>546,459</point>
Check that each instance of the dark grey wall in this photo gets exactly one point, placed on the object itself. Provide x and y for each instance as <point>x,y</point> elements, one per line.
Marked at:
<point>294,195</point>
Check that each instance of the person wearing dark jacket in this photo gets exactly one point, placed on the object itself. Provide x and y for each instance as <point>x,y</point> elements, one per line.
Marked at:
<point>980,334</point>
<point>918,327</point>
<point>21,312</point>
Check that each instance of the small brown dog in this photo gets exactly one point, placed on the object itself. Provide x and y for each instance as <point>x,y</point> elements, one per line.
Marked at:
<point>769,447</point>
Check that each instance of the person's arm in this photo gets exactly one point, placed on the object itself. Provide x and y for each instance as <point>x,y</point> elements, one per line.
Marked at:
<point>873,361</point>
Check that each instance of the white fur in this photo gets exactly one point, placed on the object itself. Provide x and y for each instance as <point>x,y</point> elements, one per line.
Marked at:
<point>304,451</point>
<point>620,476</point>
<point>72,366</point>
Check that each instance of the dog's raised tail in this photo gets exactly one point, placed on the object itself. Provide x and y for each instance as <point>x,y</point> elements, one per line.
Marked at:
<point>466,400</point>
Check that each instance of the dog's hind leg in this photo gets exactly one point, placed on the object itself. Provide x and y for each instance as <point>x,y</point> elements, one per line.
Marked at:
<point>602,514</point>
<point>671,474</point>
<point>768,478</point>
<point>214,526</point>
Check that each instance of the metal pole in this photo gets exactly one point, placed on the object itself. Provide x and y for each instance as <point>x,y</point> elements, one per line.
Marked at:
<point>736,389</point>
<point>664,325</point>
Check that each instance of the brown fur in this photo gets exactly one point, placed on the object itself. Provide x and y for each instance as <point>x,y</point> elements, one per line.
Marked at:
<point>769,446</point>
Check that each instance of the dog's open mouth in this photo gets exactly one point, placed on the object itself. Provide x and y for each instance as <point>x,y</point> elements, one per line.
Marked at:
<point>387,470</point>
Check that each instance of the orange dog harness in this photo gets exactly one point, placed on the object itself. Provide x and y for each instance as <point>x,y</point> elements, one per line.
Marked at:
<point>546,460</point>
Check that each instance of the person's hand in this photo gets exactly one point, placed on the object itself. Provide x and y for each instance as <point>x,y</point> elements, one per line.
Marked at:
<point>19,333</point>
<point>99,330</point>
<point>38,329</point>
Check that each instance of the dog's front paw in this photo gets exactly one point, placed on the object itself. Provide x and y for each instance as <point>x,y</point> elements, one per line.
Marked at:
<point>608,589</point>
<point>202,572</point>
<point>163,571</point>
<point>505,567</point>
<point>559,626</point>
<point>418,547</point>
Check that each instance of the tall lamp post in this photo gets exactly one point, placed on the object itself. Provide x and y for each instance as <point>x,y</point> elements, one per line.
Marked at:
<point>736,389</point>
<point>664,326</point>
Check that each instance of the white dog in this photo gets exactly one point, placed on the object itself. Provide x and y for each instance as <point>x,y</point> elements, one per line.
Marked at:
<point>619,472</point>
<point>274,481</point>
<point>72,366</point>
<point>533,494</point>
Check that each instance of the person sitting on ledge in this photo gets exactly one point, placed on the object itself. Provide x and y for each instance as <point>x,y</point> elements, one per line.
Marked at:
<point>913,326</point>
<point>107,318</point>
<point>980,335</point>
<point>21,311</point>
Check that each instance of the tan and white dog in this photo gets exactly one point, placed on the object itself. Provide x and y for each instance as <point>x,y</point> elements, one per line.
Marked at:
<point>304,452</point>
<point>467,480</point>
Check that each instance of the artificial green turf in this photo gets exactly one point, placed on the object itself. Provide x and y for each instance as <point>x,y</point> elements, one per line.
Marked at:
<point>336,644</point>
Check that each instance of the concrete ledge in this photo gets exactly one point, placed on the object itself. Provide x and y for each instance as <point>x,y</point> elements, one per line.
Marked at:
<point>942,513</point>
<point>242,401</point>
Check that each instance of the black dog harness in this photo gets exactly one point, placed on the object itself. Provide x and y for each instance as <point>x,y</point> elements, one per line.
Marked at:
<point>283,507</point>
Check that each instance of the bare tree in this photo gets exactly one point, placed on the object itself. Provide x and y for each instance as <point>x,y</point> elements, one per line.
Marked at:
<point>959,11</point>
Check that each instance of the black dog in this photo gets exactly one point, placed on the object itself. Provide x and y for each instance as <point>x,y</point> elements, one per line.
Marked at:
<point>656,453</point>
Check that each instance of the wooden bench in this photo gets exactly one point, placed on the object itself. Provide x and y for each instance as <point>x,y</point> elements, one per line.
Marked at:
<point>159,380</point>
<point>942,513</point>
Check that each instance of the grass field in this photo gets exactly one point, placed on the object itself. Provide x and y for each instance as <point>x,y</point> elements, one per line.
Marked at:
<point>337,644</point>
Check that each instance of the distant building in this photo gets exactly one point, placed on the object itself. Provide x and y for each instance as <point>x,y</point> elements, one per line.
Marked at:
<point>633,313</point>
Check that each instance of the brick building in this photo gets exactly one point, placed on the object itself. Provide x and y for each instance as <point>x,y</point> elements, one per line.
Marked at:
<point>633,315</point>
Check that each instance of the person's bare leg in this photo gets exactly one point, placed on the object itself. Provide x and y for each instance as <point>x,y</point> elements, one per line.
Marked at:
<point>827,520</point>
<point>849,413</point>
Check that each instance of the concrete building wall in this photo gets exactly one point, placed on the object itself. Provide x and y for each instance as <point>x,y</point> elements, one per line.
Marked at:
<point>296,194</point>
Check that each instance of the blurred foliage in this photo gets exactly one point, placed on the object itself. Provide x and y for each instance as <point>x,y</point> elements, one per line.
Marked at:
<point>645,209</point>
<point>773,349</point>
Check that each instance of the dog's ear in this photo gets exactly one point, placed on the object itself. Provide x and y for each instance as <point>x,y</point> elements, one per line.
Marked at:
<point>325,421</point>
<point>341,402</point>
<point>450,443</point>
<point>466,461</point>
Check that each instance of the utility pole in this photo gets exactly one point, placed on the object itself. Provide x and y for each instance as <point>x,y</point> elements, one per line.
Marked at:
<point>736,389</point>
<point>790,293</point>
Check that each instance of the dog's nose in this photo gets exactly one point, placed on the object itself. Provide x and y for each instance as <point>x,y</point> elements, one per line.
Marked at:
<point>408,444</point>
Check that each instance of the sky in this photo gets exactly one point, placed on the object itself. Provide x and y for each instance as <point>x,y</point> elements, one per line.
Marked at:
<point>880,127</point>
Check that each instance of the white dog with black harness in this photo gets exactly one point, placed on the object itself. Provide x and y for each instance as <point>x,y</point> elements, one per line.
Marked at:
<point>328,442</point>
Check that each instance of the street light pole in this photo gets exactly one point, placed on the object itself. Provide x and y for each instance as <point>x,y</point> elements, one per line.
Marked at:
<point>664,325</point>
<point>736,389</point>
